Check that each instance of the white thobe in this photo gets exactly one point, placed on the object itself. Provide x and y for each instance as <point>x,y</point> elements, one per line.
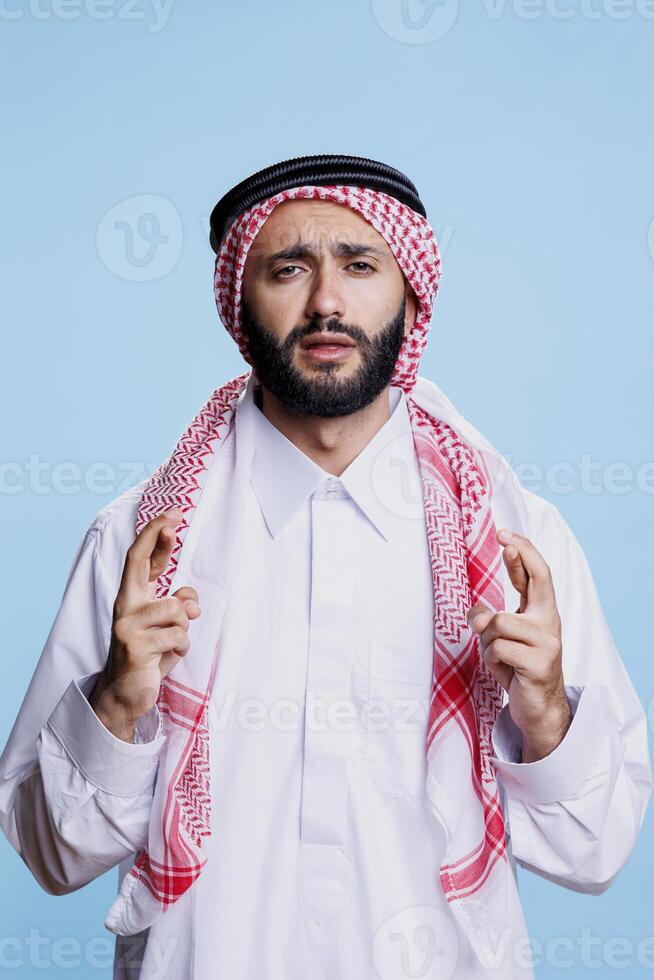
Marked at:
<point>324,856</point>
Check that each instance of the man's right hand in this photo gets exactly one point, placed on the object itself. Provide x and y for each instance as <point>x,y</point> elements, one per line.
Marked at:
<point>148,636</point>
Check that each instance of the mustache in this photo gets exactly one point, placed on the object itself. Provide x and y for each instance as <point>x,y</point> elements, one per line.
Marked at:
<point>329,326</point>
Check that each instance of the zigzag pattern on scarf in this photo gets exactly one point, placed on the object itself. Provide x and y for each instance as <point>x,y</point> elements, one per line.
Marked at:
<point>458,525</point>
<point>193,791</point>
<point>176,483</point>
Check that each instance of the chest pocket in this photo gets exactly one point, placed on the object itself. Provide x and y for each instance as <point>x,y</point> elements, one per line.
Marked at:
<point>396,719</point>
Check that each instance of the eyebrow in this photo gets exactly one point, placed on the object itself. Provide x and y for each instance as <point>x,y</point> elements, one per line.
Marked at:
<point>342,249</point>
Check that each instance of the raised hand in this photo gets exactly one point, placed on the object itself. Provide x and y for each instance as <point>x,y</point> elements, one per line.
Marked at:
<point>523,650</point>
<point>149,635</point>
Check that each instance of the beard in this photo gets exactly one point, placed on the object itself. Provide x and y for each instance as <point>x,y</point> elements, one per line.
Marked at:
<point>322,393</point>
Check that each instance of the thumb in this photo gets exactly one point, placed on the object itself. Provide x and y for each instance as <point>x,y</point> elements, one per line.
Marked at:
<point>190,599</point>
<point>479,616</point>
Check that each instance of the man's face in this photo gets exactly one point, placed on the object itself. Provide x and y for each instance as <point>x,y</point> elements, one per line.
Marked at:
<point>318,271</point>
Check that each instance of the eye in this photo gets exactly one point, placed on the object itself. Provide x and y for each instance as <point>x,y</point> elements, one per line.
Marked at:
<point>279,272</point>
<point>363,268</point>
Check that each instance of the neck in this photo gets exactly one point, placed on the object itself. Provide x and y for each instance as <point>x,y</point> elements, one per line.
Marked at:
<point>332,443</point>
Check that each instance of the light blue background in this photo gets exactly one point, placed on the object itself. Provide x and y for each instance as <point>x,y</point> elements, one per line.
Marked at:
<point>529,135</point>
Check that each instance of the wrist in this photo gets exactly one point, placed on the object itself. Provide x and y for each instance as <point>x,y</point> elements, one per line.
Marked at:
<point>539,743</point>
<point>110,712</point>
<point>117,724</point>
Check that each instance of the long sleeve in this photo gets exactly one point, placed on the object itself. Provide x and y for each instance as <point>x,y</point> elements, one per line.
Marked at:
<point>86,805</point>
<point>574,816</point>
<point>74,799</point>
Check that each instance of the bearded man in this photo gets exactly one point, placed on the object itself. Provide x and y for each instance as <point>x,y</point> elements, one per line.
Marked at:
<point>325,679</point>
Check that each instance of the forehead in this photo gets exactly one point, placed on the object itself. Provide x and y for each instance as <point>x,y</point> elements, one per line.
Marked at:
<point>315,222</point>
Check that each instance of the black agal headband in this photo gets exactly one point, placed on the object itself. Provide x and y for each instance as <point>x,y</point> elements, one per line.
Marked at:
<point>321,169</point>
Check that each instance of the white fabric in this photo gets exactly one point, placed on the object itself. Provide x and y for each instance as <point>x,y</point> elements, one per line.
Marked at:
<point>324,853</point>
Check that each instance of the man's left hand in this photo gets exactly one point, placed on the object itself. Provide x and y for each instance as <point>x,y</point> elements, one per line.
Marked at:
<point>523,649</point>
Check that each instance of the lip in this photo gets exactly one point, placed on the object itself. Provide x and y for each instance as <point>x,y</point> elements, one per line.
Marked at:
<point>329,352</point>
<point>327,339</point>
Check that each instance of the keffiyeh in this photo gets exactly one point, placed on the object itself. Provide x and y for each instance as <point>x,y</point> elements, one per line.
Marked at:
<point>475,876</point>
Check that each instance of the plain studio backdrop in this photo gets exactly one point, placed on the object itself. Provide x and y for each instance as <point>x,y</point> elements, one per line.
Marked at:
<point>527,128</point>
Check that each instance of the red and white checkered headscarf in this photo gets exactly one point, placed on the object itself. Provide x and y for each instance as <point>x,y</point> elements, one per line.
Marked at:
<point>465,559</point>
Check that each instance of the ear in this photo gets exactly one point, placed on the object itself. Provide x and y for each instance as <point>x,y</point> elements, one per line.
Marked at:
<point>411,308</point>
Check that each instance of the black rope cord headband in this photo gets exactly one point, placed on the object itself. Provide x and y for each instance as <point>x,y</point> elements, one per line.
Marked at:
<point>321,169</point>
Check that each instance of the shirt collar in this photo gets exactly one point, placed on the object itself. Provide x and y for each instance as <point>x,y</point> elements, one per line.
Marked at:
<point>283,477</point>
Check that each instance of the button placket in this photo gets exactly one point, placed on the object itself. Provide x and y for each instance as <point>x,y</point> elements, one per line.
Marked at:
<point>323,819</point>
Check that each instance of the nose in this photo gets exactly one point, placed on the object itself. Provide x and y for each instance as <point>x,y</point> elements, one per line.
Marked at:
<point>326,299</point>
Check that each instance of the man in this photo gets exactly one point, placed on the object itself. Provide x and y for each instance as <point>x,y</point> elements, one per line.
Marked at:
<point>322,681</point>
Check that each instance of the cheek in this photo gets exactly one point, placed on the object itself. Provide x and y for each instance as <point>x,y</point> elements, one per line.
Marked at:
<point>377,302</point>
<point>271,313</point>
<point>277,310</point>
<point>375,316</point>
